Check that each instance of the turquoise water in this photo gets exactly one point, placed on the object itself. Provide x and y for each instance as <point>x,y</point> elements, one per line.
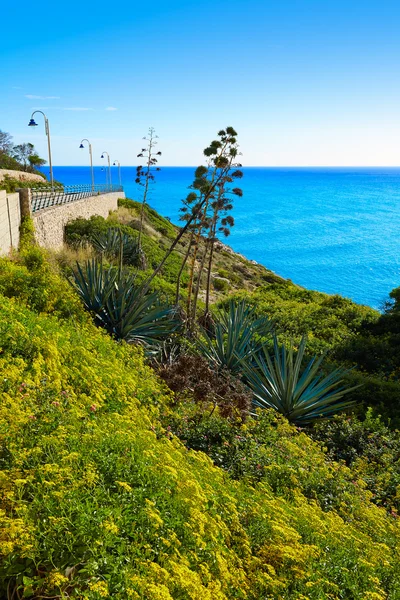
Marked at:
<point>335,230</point>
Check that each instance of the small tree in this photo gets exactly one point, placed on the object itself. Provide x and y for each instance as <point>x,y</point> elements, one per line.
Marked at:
<point>22,152</point>
<point>35,161</point>
<point>5,142</point>
<point>145,174</point>
<point>6,159</point>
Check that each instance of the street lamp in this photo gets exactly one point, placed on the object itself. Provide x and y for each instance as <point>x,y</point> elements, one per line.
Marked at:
<point>32,123</point>
<point>91,158</point>
<point>119,170</point>
<point>109,166</point>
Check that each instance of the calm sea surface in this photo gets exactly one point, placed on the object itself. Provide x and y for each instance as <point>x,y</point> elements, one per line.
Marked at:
<point>335,230</point>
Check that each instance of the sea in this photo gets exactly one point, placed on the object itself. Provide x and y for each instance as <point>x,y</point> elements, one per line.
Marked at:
<point>335,230</point>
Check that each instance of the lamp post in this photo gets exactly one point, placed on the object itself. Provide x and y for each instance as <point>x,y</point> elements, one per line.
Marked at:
<point>109,167</point>
<point>91,158</point>
<point>119,170</point>
<point>32,123</point>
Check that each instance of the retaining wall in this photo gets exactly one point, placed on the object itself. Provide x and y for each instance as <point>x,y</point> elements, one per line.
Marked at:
<point>10,219</point>
<point>50,222</point>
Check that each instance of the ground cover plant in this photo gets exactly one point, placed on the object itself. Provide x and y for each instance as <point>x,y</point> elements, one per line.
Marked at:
<point>133,461</point>
<point>98,499</point>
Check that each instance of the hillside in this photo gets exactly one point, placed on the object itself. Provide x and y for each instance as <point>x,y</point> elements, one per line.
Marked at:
<point>333,324</point>
<point>99,499</point>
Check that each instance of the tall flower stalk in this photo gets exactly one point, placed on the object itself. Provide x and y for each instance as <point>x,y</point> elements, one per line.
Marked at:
<point>222,156</point>
<point>145,174</point>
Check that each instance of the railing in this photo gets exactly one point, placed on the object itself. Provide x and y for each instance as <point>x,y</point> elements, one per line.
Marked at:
<point>44,197</point>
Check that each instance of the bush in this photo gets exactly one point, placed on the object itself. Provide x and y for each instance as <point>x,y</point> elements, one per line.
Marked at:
<point>100,500</point>
<point>220,284</point>
<point>371,449</point>
<point>207,388</point>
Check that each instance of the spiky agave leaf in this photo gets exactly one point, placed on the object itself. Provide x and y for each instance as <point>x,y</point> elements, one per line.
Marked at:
<point>110,242</point>
<point>236,330</point>
<point>301,395</point>
<point>139,317</point>
<point>94,284</point>
<point>121,306</point>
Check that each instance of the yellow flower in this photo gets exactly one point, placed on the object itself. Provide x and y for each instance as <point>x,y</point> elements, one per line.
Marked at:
<point>56,579</point>
<point>110,526</point>
<point>125,486</point>
<point>100,588</point>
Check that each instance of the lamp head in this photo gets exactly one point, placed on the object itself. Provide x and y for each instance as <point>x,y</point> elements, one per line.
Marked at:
<point>102,156</point>
<point>114,163</point>
<point>32,123</point>
<point>81,146</point>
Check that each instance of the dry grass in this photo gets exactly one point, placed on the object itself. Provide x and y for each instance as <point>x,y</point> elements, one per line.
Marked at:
<point>67,257</point>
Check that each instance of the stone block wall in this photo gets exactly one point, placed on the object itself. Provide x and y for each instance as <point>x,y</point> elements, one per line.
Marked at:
<point>10,219</point>
<point>50,222</point>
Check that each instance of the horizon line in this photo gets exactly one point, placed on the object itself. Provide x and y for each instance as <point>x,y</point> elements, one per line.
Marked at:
<point>252,166</point>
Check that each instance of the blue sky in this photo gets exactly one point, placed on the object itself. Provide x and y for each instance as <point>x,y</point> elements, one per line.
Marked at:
<point>304,83</point>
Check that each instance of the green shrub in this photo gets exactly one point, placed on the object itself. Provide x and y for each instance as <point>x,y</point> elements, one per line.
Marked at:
<point>101,500</point>
<point>221,285</point>
<point>370,448</point>
<point>33,282</point>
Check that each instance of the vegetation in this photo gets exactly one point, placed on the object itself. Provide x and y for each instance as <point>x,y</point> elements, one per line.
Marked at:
<point>100,500</point>
<point>145,174</point>
<point>234,337</point>
<point>147,453</point>
<point>122,306</point>
<point>22,157</point>
<point>301,395</point>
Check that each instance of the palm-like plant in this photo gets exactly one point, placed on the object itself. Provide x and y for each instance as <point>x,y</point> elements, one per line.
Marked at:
<point>122,307</point>
<point>113,241</point>
<point>237,331</point>
<point>301,395</point>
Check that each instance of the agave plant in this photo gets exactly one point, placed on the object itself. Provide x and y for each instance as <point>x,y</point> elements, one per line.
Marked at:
<point>237,331</point>
<point>113,243</point>
<point>121,306</point>
<point>301,395</point>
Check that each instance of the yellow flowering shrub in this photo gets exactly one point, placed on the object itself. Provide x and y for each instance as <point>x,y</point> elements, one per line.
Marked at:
<point>98,501</point>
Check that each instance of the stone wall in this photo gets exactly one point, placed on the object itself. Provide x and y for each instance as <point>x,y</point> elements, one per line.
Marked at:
<point>10,219</point>
<point>21,175</point>
<point>50,222</point>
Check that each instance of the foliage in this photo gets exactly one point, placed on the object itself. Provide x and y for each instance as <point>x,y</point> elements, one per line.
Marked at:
<point>190,377</point>
<point>160,224</point>
<point>17,157</point>
<point>11,184</point>
<point>26,234</point>
<point>302,395</point>
<point>220,284</point>
<point>113,241</point>
<point>5,142</point>
<point>25,154</point>
<point>82,231</point>
<point>326,320</point>
<point>234,336</point>
<point>98,500</point>
<point>121,306</point>
<point>370,448</point>
<point>32,281</point>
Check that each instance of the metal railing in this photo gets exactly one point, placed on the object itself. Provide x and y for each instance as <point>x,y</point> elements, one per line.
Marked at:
<point>45,197</point>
